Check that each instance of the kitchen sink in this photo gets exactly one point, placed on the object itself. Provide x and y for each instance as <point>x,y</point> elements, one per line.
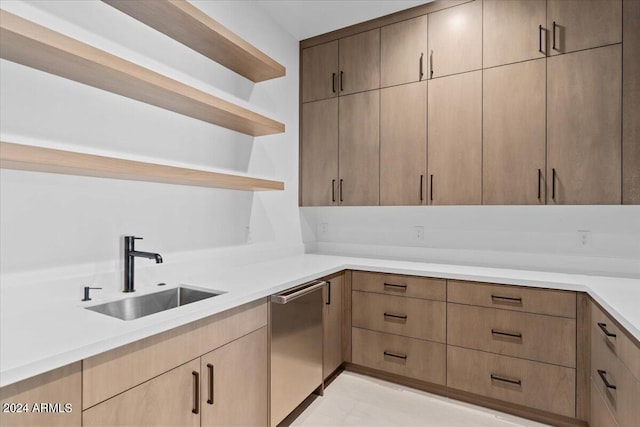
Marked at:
<point>144,305</point>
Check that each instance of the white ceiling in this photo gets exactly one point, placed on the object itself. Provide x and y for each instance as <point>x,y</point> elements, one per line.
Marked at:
<point>308,18</point>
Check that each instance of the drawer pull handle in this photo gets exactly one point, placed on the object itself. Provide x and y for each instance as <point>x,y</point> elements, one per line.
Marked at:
<point>396,355</point>
<point>603,326</point>
<point>396,288</point>
<point>396,316</point>
<point>603,375</point>
<point>196,392</point>
<point>506,380</point>
<point>497,299</point>
<point>210,400</point>
<point>515,335</point>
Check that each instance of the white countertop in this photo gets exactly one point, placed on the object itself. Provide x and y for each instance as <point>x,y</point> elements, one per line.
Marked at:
<point>42,329</point>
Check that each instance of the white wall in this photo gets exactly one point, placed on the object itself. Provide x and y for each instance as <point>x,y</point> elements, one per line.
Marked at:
<point>53,221</point>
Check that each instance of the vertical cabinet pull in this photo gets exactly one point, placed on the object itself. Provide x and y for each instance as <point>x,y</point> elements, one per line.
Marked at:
<point>196,392</point>
<point>328,293</point>
<point>341,200</point>
<point>333,190</point>
<point>333,82</point>
<point>553,183</point>
<point>603,376</point>
<point>421,70</point>
<point>431,188</point>
<point>431,65</point>
<point>539,39</point>
<point>539,184</point>
<point>210,369</point>
<point>554,36</point>
<point>341,87</point>
<point>421,187</point>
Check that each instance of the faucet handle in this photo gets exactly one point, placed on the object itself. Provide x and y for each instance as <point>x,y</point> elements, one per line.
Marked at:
<point>133,237</point>
<point>87,289</point>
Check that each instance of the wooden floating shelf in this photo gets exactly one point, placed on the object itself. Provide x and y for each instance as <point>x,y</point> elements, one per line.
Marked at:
<point>33,45</point>
<point>38,159</point>
<point>190,26</point>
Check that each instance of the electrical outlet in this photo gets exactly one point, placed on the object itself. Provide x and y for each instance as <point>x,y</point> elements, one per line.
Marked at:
<point>323,228</point>
<point>418,232</point>
<point>583,238</point>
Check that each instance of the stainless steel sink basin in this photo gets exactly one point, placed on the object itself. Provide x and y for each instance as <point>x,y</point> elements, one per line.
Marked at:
<point>136,307</point>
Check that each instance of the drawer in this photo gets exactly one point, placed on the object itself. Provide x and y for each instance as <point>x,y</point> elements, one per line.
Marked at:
<point>410,317</point>
<point>409,357</point>
<point>534,384</point>
<point>530,336</point>
<point>517,298</point>
<point>601,416</point>
<point>408,286</point>
<point>621,344</point>
<point>605,366</point>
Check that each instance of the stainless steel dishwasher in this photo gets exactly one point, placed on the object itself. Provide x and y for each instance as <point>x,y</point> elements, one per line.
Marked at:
<point>296,347</point>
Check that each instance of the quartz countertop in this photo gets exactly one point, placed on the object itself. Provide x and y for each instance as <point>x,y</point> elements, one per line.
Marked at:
<point>42,330</point>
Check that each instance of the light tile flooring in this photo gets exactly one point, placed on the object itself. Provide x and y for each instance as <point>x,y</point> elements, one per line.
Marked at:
<point>357,400</point>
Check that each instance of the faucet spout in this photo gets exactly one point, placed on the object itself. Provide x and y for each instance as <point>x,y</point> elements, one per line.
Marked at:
<point>130,255</point>
<point>149,255</point>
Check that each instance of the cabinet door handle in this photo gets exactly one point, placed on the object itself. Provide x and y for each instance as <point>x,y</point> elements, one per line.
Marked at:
<point>431,188</point>
<point>506,379</point>
<point>396,355</point>
<point>539,184</point>
<point>421,187</point>
<point>341,87</point>
<point>211,397</point>
<point>431,65</point>
<point>497,299</point>
<point>603,376</point>
<point>515,335</point>
<point>396,288</point>
<point>341,200</point>
<point>540,38</point>
<point>333,82</point>
<point>421,70</point>
<point>553,184</point>
<point>603,326</point>
<point>196,392</point>
<point>333,190</point>
<point>554,36</point>
<point>328,293</point>
<point>396,316</point>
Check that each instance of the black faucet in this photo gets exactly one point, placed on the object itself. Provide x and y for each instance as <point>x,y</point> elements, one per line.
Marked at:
<point>129,256</point>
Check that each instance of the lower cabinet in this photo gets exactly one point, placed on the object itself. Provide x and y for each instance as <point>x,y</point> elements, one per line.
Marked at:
<point>332,324</point>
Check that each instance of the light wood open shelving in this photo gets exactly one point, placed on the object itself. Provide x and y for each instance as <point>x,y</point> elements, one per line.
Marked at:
<point>190,26</point>
<point>39,159</point>
<point>33,45</point>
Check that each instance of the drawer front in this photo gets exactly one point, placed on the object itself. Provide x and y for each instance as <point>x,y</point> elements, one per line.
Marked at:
<point>410,317</point>
<point>618,341</point>
<point>537,385</point>
<point>530,336</point>
<point>517,298</point>
<point>407,286</point>
<point>601,416</point>
<point>607,368</point>
<point>410,357</point>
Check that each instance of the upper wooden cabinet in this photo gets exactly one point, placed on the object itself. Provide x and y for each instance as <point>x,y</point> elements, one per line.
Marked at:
<point>455,40</point>
<point>320,72</point>
<point>403,52</point>
<point>455,140</point>
<point>360,62</point>
<point>403,144</point>
<point>513,31</point>
<point>579,24</point>
<point>584,127</point>
<point>513,128</point>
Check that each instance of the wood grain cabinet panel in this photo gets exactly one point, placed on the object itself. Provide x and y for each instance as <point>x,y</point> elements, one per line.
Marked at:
<point>511,31</point>
<point>319,153</point>
<point>514,133</point>
<point>409,357</point>
<point>403,144</point>
<point>581,24</point>
<point>170,399</point>
<point>454,158</point>
<point>534,384</point>
<point>600,414</point>
<point>410,317</point>
<point>233,385</point>
<point>455,39</point>
<point>359,62</point>
<point>400,285</point>
<point>403,52</point>
<point>631,103</point>
<point>584,127</point>
<point>359,144</point>
<point>332,324</point>
<point>61,388</point>
<point>536,337</point>
<point>320,72</point>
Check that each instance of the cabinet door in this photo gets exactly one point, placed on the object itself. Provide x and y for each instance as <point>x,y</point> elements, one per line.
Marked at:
<point>61,387</point>
<point>403,52</point>
<point>511,31</point>
<point>360,62</point>
<point>332,325</point>
<point>455,39</point>
<point>319,153</point>
<point>168,400</point>
<point>320,72</point>
<point>455,140</point>
<point>513,160</point>
<point>631,103</point>
<point>359,160</point>
<point>403,144</point>
<point>580,24</point>
<point>234,385</point>
<point>583,127</point>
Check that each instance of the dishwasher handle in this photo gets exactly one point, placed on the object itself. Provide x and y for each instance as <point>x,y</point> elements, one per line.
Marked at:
<point>297,292</point>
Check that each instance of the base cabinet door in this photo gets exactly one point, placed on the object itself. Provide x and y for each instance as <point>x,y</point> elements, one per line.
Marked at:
<point>170,399</point>
<point>332,324</point>
<point>234,387</point>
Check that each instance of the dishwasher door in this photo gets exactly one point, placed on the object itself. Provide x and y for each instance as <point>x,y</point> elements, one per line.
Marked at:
<point>296,347</point>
